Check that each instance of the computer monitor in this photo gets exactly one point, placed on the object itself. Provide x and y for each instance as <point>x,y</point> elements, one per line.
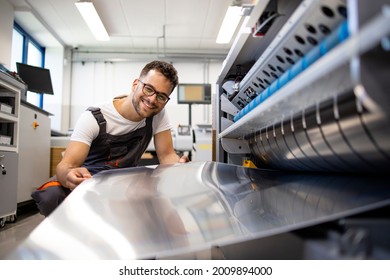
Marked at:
<point>37,79</point>
<point>194,94</point>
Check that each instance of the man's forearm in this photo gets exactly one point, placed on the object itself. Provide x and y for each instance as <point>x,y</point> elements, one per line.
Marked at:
<point>61,171</point>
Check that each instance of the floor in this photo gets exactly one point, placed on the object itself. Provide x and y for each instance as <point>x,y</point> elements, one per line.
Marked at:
<point>12,234</point>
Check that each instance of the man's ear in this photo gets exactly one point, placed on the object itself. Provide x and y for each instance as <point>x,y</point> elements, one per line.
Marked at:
<point>134,85</point>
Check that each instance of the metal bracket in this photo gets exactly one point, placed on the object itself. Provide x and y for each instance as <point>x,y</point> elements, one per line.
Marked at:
<point>225,123</point>
<point>228,107</point>
<point>235,146</point>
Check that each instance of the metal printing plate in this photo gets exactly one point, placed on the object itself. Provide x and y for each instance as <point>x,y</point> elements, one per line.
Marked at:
<point>178,210</point>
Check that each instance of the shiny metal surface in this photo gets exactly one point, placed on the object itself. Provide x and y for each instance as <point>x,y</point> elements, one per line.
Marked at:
<point>336,135</point>
<point>176,211</point>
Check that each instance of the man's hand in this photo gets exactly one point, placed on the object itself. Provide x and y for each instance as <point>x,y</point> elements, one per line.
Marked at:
<point>75,176</point>
<point>184,159</point>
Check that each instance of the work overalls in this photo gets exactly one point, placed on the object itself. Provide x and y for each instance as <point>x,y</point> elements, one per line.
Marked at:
<point>107,152</point>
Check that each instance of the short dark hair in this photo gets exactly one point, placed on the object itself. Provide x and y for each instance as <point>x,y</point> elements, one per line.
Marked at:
<point>164,68</point>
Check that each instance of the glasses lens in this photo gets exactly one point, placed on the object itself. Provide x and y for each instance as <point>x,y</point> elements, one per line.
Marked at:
<point>148,90</point>
<point>161,98</point>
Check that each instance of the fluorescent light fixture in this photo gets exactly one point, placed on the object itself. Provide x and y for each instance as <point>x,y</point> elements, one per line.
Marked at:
<point>91,17</point>
<point>229,24</point>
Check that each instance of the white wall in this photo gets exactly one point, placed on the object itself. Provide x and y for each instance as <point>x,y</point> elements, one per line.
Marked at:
<point>96,82</point>
<point>54,60</point>
<point>6,27</point>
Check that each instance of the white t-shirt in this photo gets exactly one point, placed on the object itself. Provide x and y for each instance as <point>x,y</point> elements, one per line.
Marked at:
<point>87,128</point>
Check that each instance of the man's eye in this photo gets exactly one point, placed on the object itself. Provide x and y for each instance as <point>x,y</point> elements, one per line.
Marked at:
<point>161,97</point>
<point>149,89</point>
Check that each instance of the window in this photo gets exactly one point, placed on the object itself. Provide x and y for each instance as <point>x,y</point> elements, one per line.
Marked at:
<point>17,49</point>
<point>26,50</point>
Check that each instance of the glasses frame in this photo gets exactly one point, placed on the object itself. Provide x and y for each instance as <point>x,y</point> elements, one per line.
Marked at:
<point>155,92</point>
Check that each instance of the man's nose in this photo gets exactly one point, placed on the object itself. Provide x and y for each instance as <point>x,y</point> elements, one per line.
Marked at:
<point>153,98</point>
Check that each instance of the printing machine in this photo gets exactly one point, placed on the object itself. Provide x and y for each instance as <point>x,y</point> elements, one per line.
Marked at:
<point>303,96</point>
<point>305,89</point>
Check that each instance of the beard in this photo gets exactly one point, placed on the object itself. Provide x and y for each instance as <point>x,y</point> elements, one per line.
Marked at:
<point>144,108</point>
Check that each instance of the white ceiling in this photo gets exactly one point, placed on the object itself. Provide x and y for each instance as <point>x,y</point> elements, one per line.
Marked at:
<point>174,26</point>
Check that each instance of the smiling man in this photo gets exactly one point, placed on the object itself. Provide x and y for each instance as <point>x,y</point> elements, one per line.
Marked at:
<point>116,134</point>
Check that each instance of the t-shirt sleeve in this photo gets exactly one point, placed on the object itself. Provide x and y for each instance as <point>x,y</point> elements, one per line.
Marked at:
<point>86,129</point>
<point>161,122</point>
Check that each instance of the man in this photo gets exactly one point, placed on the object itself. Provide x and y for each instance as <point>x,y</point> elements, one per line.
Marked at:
<point>116,134</point>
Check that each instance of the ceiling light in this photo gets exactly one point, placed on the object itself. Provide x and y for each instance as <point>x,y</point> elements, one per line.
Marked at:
<point>91,17</point>
<point>229,24</point>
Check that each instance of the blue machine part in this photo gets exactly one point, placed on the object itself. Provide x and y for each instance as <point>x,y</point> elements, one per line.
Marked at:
<point>332,40</point>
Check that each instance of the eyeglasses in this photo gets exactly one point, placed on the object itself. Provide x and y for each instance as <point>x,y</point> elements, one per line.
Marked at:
<point>148,90</point>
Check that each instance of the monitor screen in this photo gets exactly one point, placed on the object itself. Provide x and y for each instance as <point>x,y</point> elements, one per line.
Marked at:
<point>194,94</point>
<point>37,79</point>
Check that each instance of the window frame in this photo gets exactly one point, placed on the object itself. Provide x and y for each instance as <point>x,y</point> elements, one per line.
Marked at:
<point>27,38</point>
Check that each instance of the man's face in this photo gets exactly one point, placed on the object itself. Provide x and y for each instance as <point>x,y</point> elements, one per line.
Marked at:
<point>145,105</point>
